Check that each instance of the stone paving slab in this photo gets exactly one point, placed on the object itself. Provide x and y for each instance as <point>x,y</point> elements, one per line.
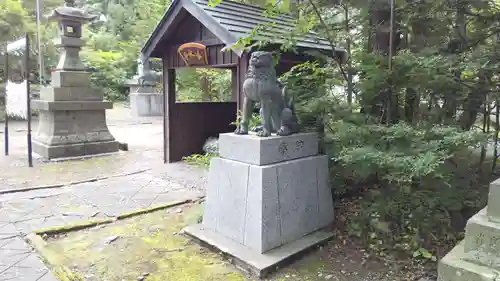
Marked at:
<point>24,212</point>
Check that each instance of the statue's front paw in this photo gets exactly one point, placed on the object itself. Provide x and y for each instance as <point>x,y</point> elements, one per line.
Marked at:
<point>241,131</point>
<point>283,131</point>
<point>264,133</point>
<point>257,129</point>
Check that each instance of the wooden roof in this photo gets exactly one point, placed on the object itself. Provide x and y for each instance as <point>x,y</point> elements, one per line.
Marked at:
<point>230,21</point>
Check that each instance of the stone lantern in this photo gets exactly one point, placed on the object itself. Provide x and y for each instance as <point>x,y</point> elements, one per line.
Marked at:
<point>72,113</point>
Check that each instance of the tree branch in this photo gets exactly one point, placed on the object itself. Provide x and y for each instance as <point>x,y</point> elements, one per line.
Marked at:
<point>329,38</point>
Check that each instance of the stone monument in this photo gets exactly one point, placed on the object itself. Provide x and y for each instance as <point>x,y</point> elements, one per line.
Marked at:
<point>72,114</point>
<point>477,257</point>
<point>144,101</point>
<point>268,196</point>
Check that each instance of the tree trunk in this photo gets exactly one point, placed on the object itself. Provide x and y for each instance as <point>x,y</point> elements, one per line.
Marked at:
<point>473,103</point>
<point>475,99</point>
<point>384,105</point>
<point>419,28</point>
<point>350,70</point>
<point>450,99</point>
<point>205,87</point>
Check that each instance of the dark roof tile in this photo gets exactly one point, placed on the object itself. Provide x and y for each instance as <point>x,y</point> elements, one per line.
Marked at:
<point>240,19</point>
<point>235,20</point>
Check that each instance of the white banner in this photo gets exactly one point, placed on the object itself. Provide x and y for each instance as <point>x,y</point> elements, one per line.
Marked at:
<point>16,99</point>
<point>17,45</point>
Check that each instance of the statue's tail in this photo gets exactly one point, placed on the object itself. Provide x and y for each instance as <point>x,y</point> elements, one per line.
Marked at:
<point>287,98</point>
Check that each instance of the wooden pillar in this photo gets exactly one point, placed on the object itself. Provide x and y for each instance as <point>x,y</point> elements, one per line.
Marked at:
<point>168,107</point>
<point>242,72</point>
<point>234,84</point>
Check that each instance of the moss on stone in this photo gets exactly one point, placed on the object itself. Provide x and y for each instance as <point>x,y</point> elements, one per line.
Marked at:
<point>72,227</point>
<point>64,274</point>
<point>150,245</point>
<point>146,244</point>
<point>151,209</point>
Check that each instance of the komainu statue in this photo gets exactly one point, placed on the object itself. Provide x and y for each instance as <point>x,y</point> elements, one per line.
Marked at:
<point>145,74</point>
<point>261,85</point>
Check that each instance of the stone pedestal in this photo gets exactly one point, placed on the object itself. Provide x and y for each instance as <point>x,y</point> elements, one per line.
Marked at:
<point>72,118</point>
<point>477,257</point>
<point>267,200</point>
<point>144,102</point>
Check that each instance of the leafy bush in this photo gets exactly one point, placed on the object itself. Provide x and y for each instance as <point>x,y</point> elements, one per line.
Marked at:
<point>211,146</point>
<point>306,84</point>
<point>110,73</point>
<point>411,179</point>
<point>253,122</point>
<point>204,84</point>
<point>404,182</point>
<point>202,160</point>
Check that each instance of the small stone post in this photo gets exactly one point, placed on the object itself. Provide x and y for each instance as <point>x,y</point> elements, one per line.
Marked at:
<point>72,114</point>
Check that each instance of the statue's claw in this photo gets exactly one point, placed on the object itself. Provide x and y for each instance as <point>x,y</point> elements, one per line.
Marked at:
<point>241,131</point>
<point>283,131</point>
<point>257,129</point>
<point>264,133</point>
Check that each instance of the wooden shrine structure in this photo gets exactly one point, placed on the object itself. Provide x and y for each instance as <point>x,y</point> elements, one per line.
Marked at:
<point>193,34</point>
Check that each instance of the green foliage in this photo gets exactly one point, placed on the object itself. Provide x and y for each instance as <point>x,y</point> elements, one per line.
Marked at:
<point>306,85</point>
<point>202,160</point>
<point>204,84</point>
<point>109,75</point>
<point>12,21</point>
<point>411,179</point>
<point>400,155</point>
<point>114,45</point>
<point>255,120</point>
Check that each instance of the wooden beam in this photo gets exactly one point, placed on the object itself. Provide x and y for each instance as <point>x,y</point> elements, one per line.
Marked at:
<point>210,23</point>
<point>206,42</point>
<point>234,84</point>
<point>242,72</point>
<point>227,66</point>
<point>159,33</point>
<point>168,106</point>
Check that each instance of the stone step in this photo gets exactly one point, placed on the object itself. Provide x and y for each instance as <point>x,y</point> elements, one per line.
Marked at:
<point>453,267</point>
<point>482,241</point>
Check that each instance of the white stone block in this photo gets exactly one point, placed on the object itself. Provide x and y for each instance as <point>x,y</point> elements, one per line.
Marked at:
<point>493,199</point>
<point>256,150</point>
<point>146,104</point>
<point>264,207</point>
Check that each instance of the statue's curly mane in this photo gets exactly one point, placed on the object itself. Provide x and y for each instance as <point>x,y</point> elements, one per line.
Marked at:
<point>264,72</point>
<point>261,85</point>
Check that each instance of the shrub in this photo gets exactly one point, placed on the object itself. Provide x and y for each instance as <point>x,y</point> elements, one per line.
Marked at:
<point>202,160</point>
<point>109,74</point>
<point>410,179</point>
<point>253,122</point>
